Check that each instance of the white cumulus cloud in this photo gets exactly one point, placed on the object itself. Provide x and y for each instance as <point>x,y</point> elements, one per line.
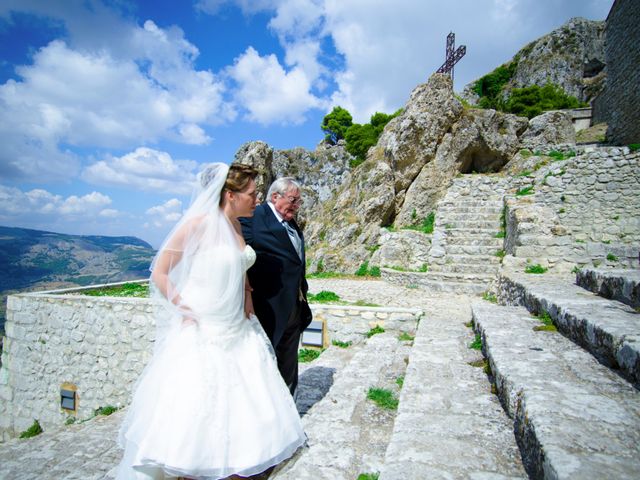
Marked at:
<point>166,214</point>
<point>269,92</point>
<point>144,169</point>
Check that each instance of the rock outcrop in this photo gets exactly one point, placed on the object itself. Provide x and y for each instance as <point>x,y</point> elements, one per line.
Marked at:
<point>571,56</point>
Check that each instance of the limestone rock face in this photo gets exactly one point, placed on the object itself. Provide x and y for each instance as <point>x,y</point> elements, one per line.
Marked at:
<point>567,57</point>
<point>319,173</point>
<point>480,141</point>
<point>550,128</point>
<point>571,56</point>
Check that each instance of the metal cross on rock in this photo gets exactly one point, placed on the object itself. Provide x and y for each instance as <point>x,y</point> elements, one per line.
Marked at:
<point>452,56</point>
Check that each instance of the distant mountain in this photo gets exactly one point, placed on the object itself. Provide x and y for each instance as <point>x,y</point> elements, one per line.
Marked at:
<point>28,257</point>
<point>34,259</point>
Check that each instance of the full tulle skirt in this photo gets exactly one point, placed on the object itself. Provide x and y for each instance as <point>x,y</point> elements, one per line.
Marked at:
<point>210,404</point>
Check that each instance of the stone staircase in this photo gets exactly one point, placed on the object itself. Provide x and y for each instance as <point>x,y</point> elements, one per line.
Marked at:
<point>570,393</point>
<point>559,413</point>
<point>464,250</point>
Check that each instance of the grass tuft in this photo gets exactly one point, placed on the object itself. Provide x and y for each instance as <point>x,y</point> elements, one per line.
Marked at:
<point>536,268</point>
<point>323,296</point>
<point>489,297</point>
<point>525,191</point>
<point>306,355</point>
<point>32,431</point>
<point>477,343</point>
<point>383,398</point>
<point>406,337</point>
<point>374,331</point>
<point>341,344</point>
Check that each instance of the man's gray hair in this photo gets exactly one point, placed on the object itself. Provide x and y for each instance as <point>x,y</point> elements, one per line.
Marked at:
<point>282,186</point>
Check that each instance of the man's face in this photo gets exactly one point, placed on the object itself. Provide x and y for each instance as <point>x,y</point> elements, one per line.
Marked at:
<point>287,205</point>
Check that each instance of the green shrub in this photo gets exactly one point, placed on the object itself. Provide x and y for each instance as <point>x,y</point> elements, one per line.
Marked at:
<point>536,268</point>
<point>477,343</point>
<point>383,398</point>
<point>106,411</point>
<point>360,138</point>
<point>363,269</point>
<point>634,147</point>
<point>611,257</point>
<point>369,476</point>
<point>341,344</point>
<point>32,431</point>
<point>489,297</point>
<point>124,290</point>
<point>525,191</point>
<point>374,331</point>
<point>533,100</point>
<point>405,337</point>
<point>375,272</point>
<point>306,355</point>
<point>323,297</point>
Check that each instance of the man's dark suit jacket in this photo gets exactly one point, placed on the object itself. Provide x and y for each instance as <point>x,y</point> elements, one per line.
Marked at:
<point>278,276</point>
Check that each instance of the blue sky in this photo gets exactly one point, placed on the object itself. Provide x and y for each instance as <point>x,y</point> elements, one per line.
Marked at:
<point>109,107</point>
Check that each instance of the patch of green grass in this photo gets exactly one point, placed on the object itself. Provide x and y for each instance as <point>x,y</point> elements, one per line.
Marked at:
<point>634,147</point>
<point>424,268</point>
<point>70,421</point>
<point>374,331</point>
<point>364,303</point>
<point>477,343</point>
<point>383,398</point>
<point>326,275</point>
<point>524,173</point>
<point>372,248</point>
<point>362,270</point>
<point>525,191</point>
<point>575,269</point>
<point>369,476</point>
<point>547,323</point>
<point>489,297</point>
<point>500,234</point>
<point>400,381</point>
<point>32,431</point>
<point>106,410</point>
<point>374,272</point>
<point>124,290</point>
<point>340,344</point>
<point>525,153</point>
<point>469,324</point>
<point>562,210</point>
<point>406,337</point>
<point>323,296</point>
<point>611,257</point>
<point>535,268</point>
<point>563,198</point>
<point>615,217</point>
<point>306,355</point>
<point>482,363</point>
<point>579,240</point>
<point>500,253</point>
<point>606,242</point>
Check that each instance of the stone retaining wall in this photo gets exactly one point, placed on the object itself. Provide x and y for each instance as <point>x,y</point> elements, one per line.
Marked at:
<point>101,345</point>
<point>583,211</point>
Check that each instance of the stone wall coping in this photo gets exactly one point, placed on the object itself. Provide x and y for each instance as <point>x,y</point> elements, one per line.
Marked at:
<point>361,308</point>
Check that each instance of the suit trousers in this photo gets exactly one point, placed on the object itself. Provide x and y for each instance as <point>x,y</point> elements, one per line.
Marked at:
<point>287,350</point>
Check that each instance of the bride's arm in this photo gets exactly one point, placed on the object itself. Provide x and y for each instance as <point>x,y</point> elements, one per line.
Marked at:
<point>248,300</point>
<point>167,260</point>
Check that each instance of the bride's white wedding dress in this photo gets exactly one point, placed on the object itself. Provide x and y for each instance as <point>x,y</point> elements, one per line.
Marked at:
<point>211,403</point>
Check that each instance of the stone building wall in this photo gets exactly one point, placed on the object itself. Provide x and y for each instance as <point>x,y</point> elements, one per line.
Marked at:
<point>101,345</point>
<point>619,104</point>
<point>583,211</point>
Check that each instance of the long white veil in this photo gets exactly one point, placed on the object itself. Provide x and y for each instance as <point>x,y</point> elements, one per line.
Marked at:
<point>197,270</point>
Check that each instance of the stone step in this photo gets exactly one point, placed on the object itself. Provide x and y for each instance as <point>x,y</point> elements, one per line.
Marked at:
<point>455,283</point>
<point>466,209</point>
<point>449,216</point>
<point>485,268</point>
<point>608,329</point>
<point>347,433</point>
<point>476,232</point>
<point>479,240</point>
<point>483,252</point>
<point>573,417</point>
<point>470,202</point>
<point>622,285</point>
<point>494,225</point>
<point>449,424</point>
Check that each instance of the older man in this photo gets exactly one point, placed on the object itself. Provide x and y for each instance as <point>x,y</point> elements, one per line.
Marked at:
<point>277,279</point>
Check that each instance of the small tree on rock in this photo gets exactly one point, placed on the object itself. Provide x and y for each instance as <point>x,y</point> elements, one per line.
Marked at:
<point>336,123</point>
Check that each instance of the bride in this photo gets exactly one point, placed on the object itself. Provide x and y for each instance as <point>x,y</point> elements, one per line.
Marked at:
<point>211,403</point>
